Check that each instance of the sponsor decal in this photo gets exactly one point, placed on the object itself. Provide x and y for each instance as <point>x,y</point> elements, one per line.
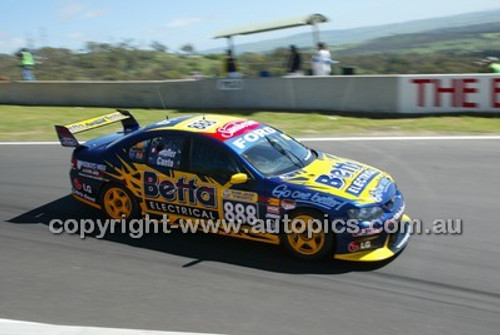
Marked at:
<point>89,169</point>
<point>244,141</point>
<point>199,213</point>
<point>288,204</point>
<point>273,210</point>
<point>353,246</point>
<point>396,216</point>
<point>382,187</point>
<point>356,246</point>
<point>77,183</point>
<point>180,190</point>
<point>90,166</point>
<point>238,195</point>
<point>368,231</point>
<point>229,84</point>
<point>234,128</point>
<point>339,173</point>
<point>69,142</point>
<point>92,123</point>
<point>273,202</point>
<point>361,181</point>
<point>283,192</point>
<point>365,245</point>
<point>84,196</point>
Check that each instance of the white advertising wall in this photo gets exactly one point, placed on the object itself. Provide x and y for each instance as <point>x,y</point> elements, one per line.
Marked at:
<point>449,93</point>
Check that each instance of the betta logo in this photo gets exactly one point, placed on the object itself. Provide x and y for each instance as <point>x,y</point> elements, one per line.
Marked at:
<point>181,190</point>
<point>337,176</point>
<point>231,128</point>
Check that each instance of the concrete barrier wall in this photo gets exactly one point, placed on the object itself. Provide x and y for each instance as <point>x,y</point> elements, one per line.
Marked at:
<point>369,94</point>
<point>355,93</point>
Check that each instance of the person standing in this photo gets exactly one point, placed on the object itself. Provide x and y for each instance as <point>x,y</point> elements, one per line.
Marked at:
<point>26,63</point>
<point>493,65</point>
<point>230,66</point>
<point>322,61</point>
<point>294,65</point>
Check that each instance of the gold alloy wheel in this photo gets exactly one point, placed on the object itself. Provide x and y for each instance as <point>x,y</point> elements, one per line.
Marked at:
<point>299,238</point>
<point>117,203</point>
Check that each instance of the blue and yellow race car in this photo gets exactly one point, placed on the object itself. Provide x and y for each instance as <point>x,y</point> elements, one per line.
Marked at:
<point>231,170</point>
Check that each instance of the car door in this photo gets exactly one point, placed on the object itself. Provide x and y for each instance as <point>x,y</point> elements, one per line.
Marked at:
<point>211,161</point>
<point>168,187</point>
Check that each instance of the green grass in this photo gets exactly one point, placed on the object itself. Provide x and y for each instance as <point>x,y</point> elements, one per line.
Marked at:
<point>26,123</point>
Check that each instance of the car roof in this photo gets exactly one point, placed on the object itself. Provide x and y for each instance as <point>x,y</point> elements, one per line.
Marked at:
<point>220,127</point>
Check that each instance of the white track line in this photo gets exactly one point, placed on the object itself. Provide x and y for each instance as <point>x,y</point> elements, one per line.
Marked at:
<point>337,139</point>
<point>400,138</point>
<point>29,143</point>
<point>15,327</point>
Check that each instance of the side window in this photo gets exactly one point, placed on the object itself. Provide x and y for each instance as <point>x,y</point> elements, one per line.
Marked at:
<point>207,158</point>
<point>166,151</point>
<point>137,152</point>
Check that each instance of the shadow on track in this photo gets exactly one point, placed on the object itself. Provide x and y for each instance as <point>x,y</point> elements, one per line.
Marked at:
<point>200,247</point>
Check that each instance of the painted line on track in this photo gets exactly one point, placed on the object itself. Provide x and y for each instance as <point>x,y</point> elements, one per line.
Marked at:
<point>332,139</point>
<point>17,327</point>
<point>400,138</point>
<point>29,143</point>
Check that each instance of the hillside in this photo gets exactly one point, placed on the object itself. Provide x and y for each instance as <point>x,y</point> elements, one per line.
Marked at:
<point>481,38</point>
<point>443,50</point>
<point>359,35</point>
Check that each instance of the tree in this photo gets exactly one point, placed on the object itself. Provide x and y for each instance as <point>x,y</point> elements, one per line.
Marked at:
<point>155,45</point>
<point>188,48</point>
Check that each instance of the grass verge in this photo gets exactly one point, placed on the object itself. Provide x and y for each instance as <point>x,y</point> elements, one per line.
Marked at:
<point>27,123</point>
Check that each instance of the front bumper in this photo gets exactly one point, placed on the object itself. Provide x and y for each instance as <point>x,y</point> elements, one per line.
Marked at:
<point>394,243</point>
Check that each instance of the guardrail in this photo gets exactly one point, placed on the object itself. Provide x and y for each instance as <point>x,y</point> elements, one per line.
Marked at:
<point>368,94</point>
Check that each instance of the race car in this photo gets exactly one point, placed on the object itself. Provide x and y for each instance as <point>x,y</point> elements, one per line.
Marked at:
<point>219,168</point>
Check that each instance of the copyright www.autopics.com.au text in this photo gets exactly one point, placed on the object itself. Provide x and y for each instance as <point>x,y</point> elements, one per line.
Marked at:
<point>137,228</point>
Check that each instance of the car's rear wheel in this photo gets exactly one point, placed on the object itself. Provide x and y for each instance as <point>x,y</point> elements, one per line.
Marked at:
<point>118,203</point>
<point>305,236</point>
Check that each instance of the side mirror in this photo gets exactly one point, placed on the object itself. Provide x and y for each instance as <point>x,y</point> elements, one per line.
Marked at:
<point>238,178</point>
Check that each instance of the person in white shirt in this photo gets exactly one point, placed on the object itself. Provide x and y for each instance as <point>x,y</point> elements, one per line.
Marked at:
<point>322,61</point>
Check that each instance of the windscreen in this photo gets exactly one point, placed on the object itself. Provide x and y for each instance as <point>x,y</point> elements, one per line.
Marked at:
<point>276,153</point>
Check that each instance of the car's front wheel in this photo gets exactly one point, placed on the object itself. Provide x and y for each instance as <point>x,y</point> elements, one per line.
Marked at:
<point>118,203</point>
<point>306,237</point>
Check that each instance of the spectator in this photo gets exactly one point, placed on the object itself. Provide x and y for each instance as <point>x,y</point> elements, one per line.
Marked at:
<point>294,65</point>
<point>493,65</point>
<point>322,61</point>
<point>26,62</point>
<point>230,66</point>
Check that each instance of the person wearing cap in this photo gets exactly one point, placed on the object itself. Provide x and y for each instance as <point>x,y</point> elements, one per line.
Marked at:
<point>26,62</point>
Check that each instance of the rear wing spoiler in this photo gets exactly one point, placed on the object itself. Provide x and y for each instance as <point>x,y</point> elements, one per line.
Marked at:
<point>66,132</point>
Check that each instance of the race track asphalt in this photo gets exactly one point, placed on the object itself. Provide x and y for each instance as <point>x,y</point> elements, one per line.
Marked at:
<point>199,283</point>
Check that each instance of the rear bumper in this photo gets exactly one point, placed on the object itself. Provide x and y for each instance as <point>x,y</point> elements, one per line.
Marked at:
<point>394,244</point>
